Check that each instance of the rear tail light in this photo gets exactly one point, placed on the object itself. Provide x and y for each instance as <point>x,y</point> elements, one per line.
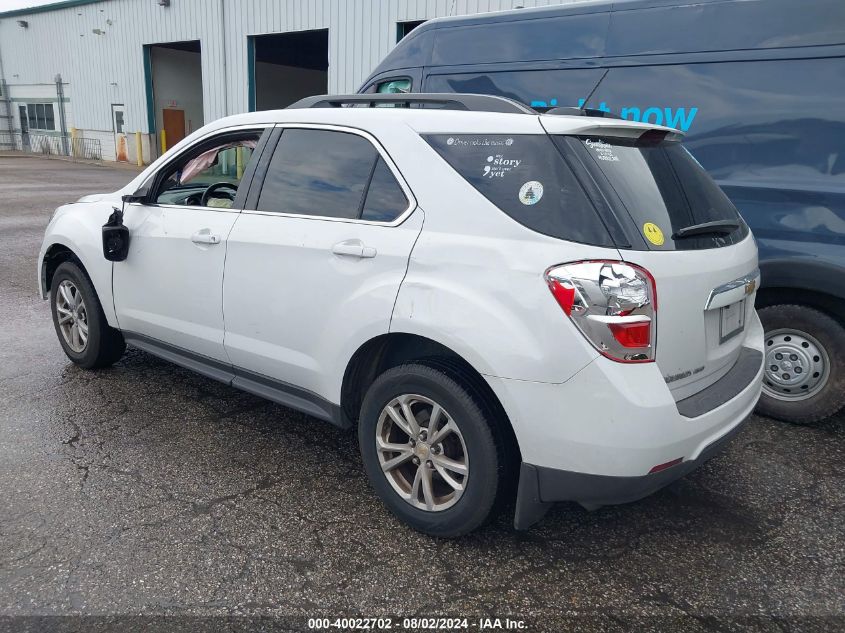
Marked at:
<point>612,303</point>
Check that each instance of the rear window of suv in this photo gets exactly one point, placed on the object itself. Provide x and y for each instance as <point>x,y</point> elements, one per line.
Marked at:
<point>662,188</point>
<point>526,177</point>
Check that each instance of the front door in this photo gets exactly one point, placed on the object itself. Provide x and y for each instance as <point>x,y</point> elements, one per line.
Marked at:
<point>314,270</point>
<point>170,286</point>
<point>174,126</point>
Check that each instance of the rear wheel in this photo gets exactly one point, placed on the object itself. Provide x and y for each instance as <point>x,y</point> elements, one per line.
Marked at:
<point>805,364</point>
<point>81,326</point>
<point>429,451</point>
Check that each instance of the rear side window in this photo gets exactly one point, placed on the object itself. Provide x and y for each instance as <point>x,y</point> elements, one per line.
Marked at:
<point>385,199</point>
<point>330,174</point>
<point>526,177</point>
<point>663,189</point>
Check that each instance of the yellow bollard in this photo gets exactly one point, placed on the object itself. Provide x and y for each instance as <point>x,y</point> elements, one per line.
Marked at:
<point>139,151</point>
<point>239,161</point>
<point>163,141</point>
<point>74,134</point>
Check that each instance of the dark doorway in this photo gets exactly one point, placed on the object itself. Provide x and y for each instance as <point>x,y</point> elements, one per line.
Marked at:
<point>287,67</point>
<point>176,89</point>
<point>403,28</point>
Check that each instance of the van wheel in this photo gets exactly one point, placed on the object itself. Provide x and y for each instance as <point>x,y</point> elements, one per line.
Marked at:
<point>805,364</point>
<point>81,326</point>
<point>429,451</point>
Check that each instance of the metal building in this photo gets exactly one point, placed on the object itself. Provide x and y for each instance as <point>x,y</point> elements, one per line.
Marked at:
<point>99,77</point>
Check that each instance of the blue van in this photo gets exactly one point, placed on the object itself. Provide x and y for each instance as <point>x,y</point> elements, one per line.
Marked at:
<point>758,86</point>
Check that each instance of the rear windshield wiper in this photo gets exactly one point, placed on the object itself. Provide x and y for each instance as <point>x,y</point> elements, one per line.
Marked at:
<point>718,227</point>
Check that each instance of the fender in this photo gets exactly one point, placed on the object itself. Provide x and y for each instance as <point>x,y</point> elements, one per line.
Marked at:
<point>78,227</point>
<point>803,274</point>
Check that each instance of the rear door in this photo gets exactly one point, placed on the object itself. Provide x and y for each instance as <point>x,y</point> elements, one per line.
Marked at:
<point>705,276</point>
<point>315,261</point>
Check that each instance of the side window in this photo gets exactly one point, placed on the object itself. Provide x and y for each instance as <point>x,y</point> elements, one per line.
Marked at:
<point>327,173</point>
<point>210,175</point>
<point>394,86</point>
<point>385,199</point>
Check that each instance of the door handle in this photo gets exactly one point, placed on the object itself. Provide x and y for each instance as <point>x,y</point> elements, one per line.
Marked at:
<point>354,248</point>
<point>205,237</point>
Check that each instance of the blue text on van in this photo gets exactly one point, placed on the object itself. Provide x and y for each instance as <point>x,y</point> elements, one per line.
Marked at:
<point>678,118</point>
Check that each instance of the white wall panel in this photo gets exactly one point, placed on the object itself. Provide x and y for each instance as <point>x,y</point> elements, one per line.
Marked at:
<point>109,68</point>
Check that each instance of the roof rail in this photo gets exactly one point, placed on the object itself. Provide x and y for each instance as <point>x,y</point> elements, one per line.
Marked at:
<point>446,101</point>
<point>574,111</point>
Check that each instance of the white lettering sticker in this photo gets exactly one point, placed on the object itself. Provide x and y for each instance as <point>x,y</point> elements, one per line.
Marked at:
<point>497,166</point>
<point>604,151</point>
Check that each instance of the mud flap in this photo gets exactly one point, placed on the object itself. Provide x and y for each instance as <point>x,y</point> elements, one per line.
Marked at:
<point>529,507</point>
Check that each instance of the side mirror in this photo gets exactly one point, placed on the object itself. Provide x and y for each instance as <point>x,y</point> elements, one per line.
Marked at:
<point>115,237</point>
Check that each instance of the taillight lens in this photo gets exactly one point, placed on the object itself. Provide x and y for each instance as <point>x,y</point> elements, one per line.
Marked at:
<point>613,304</point>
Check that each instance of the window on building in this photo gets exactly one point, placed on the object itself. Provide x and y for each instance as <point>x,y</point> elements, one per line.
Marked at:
<point>403,28</point>
<point>40,116</point>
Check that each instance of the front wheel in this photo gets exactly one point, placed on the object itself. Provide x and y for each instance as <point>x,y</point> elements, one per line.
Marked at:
<point>429,451</point>
<point>805,364</point>
<point>81,326</point>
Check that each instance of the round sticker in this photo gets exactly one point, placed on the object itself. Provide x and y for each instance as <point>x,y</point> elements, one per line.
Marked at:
<point>531,192</point>
<point>653,233</point>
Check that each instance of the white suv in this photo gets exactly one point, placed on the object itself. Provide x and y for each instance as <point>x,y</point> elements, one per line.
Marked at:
<point>491,296</point>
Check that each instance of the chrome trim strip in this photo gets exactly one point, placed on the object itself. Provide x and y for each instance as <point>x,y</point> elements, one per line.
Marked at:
<point>739,282</point>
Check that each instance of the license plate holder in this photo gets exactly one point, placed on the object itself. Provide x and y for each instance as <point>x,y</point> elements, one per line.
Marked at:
<point>731,320</point>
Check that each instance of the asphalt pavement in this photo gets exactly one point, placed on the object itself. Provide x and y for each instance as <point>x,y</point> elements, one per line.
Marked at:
<point>145,490</point>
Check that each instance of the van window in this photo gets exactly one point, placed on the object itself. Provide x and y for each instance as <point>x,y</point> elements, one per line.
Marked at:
<point>394,86</point>
<point>662,187</point>
<point>527,178</point>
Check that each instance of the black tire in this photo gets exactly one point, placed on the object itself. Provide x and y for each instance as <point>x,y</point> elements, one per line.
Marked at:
<point>105,344</point>
<point>487,467</point>
<point>830,334</point>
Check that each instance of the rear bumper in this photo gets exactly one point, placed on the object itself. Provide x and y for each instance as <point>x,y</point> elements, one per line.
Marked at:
<point>540,487</point>
<point>596,438</point>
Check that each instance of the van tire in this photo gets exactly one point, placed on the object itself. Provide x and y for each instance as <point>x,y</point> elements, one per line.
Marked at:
<point>485,467</point>
<point>829,334</point>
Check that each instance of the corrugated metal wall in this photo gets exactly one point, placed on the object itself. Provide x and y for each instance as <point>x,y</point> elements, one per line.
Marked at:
<point>108,68</point>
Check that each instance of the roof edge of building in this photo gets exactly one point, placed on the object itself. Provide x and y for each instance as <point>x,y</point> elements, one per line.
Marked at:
<point>44,8</point>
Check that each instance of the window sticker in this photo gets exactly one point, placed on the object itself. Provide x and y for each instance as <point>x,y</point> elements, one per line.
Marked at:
<point>531,192</point>
<point>498,165</point>
<point>653,233</point>
<point>604,151</point>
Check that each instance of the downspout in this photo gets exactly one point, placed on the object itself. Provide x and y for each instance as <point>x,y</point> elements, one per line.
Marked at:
<point>60,94</point>
<point>4,88</point>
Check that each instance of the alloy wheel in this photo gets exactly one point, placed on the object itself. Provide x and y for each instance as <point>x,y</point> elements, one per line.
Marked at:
<point>72,316</point>
<point>422,452</point>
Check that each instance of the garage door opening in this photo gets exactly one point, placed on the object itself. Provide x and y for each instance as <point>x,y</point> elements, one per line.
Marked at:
<point>175,86</point>
<point>287,67</point>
